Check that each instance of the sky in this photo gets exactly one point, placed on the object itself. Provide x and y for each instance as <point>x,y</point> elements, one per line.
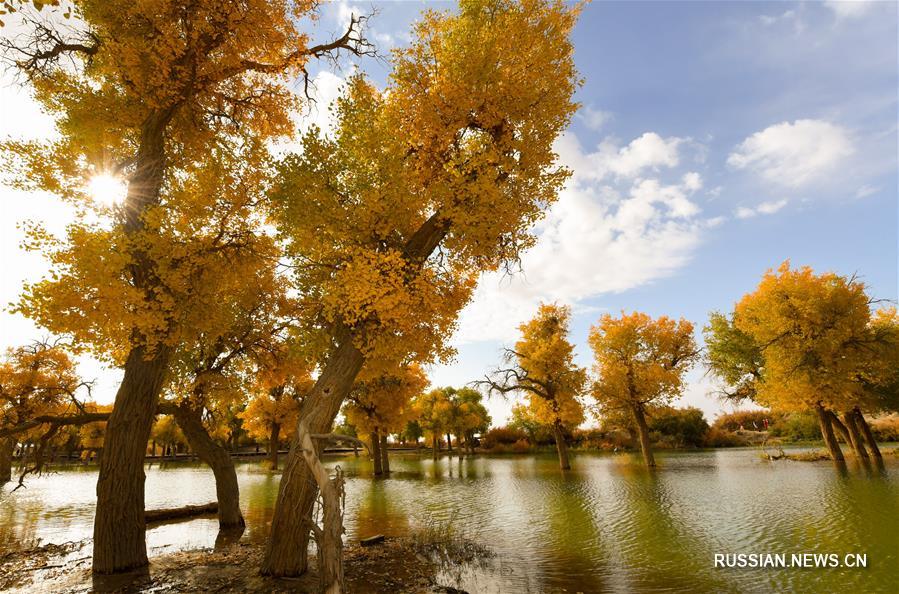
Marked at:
<point>714,141</point>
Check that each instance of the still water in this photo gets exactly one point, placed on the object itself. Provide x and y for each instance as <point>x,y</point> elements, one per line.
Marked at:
<point>607,525</point>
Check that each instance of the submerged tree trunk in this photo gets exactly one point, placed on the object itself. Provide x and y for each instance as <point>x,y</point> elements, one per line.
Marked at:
<point>119,526</point>
<point>855,436</point>
<point>830,440</point>
<point>218,459</point>
<point>7,445</point>
<point>561,446</point>
<point>376,459</point>
<point>643,434</point>
<point>287,551</point>
<point>385,460</point>
<point>866,432</point>
<point>273,443</point>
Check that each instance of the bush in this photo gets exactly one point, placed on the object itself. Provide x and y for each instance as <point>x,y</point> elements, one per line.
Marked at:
<point>721,438</point>
<point>679,427</point>
<point>502,436</point>
<point>751,420</point>
<point>521,446</point>
<point>885,428</point>
<point>797,427</point>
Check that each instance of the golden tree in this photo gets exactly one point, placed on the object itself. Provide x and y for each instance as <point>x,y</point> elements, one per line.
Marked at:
<point>640,362</point>
<point>176,99</point>
<point>380,405</point>
<point>542,368</point>
<point>419,189</point>
<point>820,349</point>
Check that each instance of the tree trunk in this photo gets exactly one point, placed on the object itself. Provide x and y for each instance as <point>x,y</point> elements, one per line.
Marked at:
<point>287,551</point>
<point>830,440</point>
<point>840,427</point>
<point>119,526</point>
<point>377,461</point>
<point>385,460</point>
<point>219,460</point>
<point>7,445</point>
<point>866,432</point>
<point>449,444</point>
<point>434,446</point>
<point>855,436</point>
<point>561,446</point>
<point>273,443</point>
<point>643,433</point>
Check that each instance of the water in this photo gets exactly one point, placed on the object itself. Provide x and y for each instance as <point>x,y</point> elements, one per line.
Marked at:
<point>608,525</point>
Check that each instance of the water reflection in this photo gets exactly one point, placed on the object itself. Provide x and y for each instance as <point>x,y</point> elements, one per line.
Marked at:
<point>608,524</point>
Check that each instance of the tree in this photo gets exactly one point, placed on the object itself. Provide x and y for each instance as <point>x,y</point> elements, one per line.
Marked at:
<point>542,368</point>
<point>380,405</point>
<point>427,409</point>
<point>167,95</point>
<point>36,381</point>
<point>640,362</point>
<point>419,189</point>
<point>818,346</point>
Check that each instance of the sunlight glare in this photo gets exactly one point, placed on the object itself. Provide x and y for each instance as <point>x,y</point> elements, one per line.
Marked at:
<point>107,189</point>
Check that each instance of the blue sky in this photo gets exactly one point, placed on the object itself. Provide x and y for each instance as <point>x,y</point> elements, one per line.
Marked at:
<point>715,140</point>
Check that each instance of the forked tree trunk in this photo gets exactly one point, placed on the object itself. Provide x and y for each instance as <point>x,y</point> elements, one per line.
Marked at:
<point>119,539</point>
<point>7,445</point>
<point>329,536</point>
<point>376,459</point>
<point>561,446</point>
<point>385,460</point>
<point>274,439</point>
<point>866,432</point>
<point>287,551</point>
<point>855,436</point>
<point>218,459</point>
<point>830,440</point>
<point>643,434</point>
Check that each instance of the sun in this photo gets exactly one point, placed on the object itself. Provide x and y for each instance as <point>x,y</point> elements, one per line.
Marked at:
<point>107,189</point>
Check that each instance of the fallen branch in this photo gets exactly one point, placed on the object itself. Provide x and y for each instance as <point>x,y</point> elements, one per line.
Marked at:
<point>153,516</point>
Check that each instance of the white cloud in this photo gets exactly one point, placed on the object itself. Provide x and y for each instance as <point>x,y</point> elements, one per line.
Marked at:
<point>765,208</point>
<point>325,89</point>
<point>600,237</point>
<point>849,8</point>
<point>648,152</point>
<point>794,154</point>
<point>593,118</point>
<point>865,191</point>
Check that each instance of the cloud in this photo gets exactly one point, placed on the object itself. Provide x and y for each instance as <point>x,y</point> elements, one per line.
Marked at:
<point>611,230</point>
<point>765,208</point>
<point>865,191</point>
<point>851,9</point>
<point>794,154</point>
<point>648,152</point>
<point>325,88</point>
<point>594,119</point>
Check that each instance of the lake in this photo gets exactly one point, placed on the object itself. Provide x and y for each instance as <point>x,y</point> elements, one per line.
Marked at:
<point>606,525</point>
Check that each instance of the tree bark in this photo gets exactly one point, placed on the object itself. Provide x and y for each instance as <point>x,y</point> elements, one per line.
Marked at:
<point>377,461</point>
<point>866,432</point>
<point>385,460</point>
<point>119,525</point>
<point>449,444</point>
<point>7,445</point>
<point>643,434</point>
<point>218,459</point>
<point>840,427</point>
<point>434,447</point>
<point>287,551</point>
<point>830,440</point>
<point>561,446</point>
<point>273,443</point>
<point>855,436</point>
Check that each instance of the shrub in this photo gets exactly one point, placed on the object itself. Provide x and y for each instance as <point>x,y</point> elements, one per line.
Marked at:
<point>679,427</point>
<point>720,438</point>
<point>885,428</point>
<point>521,446</point>
<point>752,420</point>
<point>797,427</point>
<point>502,436</point>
